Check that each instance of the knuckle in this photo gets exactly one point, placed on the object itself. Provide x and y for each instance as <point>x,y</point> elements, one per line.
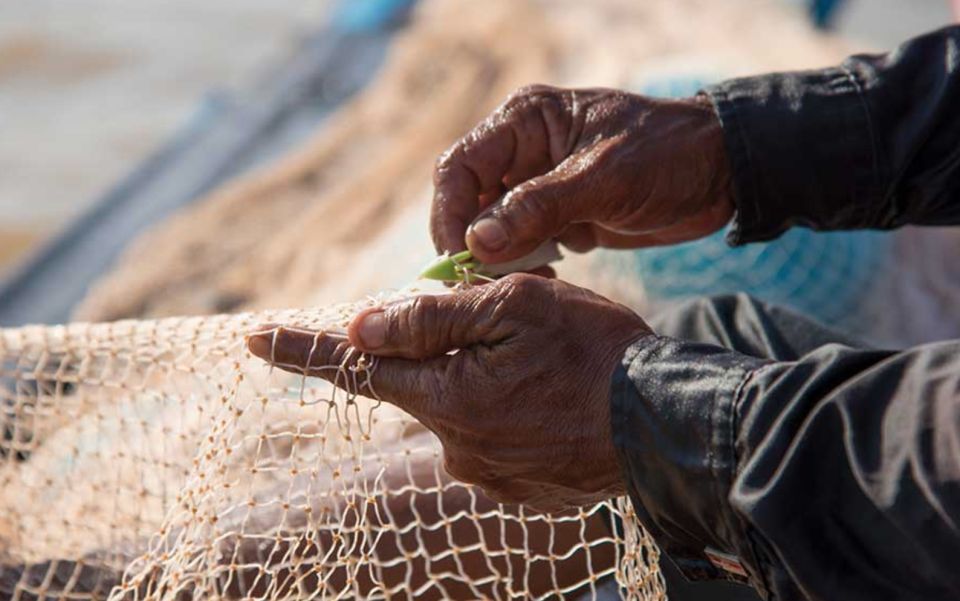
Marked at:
<point>445,161</point>
<point>341,353</point>
<point>528,208</point>
<point>325,352</point>
<point>422,319</point>
<point>528,195</point>
<point>521,287</point>
<point>525,300</point>
<point>528,91</point>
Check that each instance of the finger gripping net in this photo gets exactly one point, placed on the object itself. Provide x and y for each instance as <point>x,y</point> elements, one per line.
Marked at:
<point>160,460</point>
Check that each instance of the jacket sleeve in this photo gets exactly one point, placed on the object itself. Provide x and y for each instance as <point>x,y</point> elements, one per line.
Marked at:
<point>834,476</point>
<point>870,144</point>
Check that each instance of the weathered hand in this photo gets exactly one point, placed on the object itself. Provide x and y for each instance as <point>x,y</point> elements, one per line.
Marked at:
<point>521,407</point>
<point>588,167</point>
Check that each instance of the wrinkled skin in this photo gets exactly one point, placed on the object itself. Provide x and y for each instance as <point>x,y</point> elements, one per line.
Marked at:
<point>521,408</point>
<point>589,167</point>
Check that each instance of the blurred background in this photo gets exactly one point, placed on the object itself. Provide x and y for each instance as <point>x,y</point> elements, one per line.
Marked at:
<point>124,125</point>
<point>89,88</point>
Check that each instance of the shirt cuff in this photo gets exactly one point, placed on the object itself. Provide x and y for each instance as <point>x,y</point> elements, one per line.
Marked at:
<point>672,407</point>
<point>802,153</point>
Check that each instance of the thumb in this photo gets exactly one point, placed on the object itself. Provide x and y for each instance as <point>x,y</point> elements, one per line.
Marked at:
<point>525,218</point>
<point>426,326</point>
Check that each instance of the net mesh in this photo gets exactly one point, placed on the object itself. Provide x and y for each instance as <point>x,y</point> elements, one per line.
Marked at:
<point>160,460</point>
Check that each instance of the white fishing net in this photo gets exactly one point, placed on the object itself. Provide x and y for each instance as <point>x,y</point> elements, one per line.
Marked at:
<point>160,460</point>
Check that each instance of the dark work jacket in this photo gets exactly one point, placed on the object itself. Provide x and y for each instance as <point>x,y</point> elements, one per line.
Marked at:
<point>835,475</point>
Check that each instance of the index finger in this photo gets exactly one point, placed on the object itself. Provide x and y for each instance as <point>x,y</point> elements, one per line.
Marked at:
<point>508,148</point>
<point>472,167</point>
<point>401,382</point>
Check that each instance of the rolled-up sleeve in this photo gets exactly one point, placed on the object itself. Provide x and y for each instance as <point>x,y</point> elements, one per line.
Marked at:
<point>871,143</point>
<point>834,476</point>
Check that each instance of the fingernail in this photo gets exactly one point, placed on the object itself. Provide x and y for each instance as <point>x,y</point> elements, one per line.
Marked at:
<point>260,345</point>
<point>490,234</point>
<point>373,330</point>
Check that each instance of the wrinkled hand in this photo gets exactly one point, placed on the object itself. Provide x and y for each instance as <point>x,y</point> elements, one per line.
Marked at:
<point>589,167</point>
<point>522,407</point>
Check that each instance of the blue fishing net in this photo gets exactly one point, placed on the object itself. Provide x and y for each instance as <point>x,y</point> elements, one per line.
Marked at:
<point>824,275</point>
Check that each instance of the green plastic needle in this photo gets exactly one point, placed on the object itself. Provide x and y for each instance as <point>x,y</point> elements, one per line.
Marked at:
<point>449,268</point>
<point>454,268</point>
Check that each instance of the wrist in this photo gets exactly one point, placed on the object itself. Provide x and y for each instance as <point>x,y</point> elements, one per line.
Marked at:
<point>617,354</point>
<point>720,193</point>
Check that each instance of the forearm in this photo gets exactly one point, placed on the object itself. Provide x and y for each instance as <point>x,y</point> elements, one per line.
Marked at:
<point>832,476</point>
<point>871,143</point>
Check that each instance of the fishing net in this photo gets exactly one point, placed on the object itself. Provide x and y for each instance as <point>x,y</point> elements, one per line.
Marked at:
<point>160,460</point>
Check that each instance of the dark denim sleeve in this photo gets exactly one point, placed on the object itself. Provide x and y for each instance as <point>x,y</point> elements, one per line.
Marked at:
<point>873,143</point>
<point>832,476</point>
